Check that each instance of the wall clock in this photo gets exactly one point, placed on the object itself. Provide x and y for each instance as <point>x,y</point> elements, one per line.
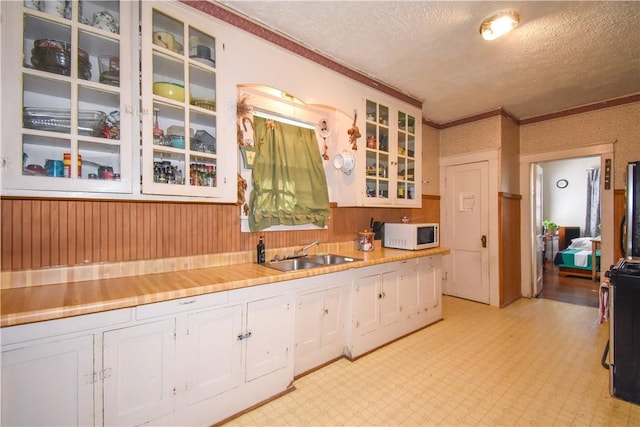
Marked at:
<point>562,183</point>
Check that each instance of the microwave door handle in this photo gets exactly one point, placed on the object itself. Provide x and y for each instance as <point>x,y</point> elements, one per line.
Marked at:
<point>484,241</point>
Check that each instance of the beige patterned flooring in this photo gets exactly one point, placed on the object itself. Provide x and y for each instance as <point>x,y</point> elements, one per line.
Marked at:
<point>534,363</point>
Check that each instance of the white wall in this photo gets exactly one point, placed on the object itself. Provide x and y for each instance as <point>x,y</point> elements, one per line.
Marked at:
<point>567,206</point>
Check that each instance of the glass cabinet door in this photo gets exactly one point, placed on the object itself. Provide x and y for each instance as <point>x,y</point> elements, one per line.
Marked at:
<point>180,153</point>
<point>406,158</point>
<point>68,96</point>
<point>377,151</point>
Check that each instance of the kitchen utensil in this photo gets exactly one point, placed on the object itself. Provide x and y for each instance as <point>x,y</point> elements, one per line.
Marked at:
<point>365,240</point>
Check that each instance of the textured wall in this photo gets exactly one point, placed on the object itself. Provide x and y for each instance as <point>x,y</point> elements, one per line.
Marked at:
<point>472,137</point>
<point>430,160</point>
<point>510,157</point>
<point>620,124</point>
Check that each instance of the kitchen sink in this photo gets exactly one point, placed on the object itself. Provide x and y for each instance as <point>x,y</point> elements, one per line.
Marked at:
<point>307,262</point>
<point>331,259</point>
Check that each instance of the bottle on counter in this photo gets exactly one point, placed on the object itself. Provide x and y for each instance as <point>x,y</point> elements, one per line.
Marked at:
<point>260,251</point>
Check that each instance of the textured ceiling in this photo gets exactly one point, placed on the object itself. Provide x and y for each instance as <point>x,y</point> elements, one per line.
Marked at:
<point>563,54</point>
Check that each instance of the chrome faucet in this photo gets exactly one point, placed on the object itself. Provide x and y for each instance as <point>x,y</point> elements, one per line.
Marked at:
<point>301,252</point>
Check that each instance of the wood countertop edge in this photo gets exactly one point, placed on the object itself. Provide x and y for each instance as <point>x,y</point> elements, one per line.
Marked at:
<point>49,302</point>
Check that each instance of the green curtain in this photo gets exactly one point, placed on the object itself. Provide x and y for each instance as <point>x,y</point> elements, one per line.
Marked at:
<point>289,184</point>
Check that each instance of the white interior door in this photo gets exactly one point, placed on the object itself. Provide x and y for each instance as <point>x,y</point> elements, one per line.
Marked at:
<point>467,230</point>
<point>536,226</point>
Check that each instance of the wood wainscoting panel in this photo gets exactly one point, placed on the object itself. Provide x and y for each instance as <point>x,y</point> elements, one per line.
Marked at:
<point>39,233</point>
<point>509,251</point>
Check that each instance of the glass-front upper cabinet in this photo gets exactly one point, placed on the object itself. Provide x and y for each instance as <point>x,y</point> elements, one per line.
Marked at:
<point>67,109</point>
<point>377,157</point>
<point>180,150</point>
<point>406,157</point>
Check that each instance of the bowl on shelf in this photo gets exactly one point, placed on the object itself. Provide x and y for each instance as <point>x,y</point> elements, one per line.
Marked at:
<point>169,90</point>
<point>206,103</point>
<point>55,56</point>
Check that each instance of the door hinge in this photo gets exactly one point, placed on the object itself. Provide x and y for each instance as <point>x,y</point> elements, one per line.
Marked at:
<point>244,336</point>
<point>94,377</point>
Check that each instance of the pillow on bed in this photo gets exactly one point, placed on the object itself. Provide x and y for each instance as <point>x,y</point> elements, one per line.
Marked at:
<point>581,243</point>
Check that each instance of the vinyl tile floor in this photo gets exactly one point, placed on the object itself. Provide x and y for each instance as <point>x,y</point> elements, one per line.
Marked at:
<point>533,363</point>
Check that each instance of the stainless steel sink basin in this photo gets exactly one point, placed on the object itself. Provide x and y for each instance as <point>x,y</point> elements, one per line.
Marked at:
<point>331,259</point>
<point>306,262</point>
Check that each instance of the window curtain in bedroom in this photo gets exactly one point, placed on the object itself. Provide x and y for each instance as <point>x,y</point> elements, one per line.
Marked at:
<point>289,184</point>
<point>592,223</point>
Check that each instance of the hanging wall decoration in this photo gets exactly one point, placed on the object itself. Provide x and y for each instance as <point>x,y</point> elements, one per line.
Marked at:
<point>354,132</point>
<point>245,131</point>
<point>323,130</point>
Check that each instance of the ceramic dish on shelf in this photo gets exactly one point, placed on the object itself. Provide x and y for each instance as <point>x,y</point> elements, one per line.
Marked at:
<point>206,103</point>
<point>169,90</point>
<point>90,123</point>
<point>206,61</point>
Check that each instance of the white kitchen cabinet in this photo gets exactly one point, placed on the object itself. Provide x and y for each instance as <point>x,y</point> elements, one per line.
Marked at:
<point>70,123</point>
<point>140,381</point>
<point>393,302</point>
<point>49,383</point>
<point>267,341</point>
<point>388,166</point>
<point>214,352</point>
<point>319,327</point>
<point>182,150</point>
<point>430,287</point>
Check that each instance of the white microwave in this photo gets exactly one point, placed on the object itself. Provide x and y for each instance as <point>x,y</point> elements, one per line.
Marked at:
<point>411,236</point>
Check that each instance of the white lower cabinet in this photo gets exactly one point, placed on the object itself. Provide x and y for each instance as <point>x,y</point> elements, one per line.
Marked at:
<point>430,287</point>
<point>199,360</point>
<point>214,353</point>
<point>319,327</point>
<point>398,299</point>
<point>200,366</point>
<point>49,384</point>
<point>140,380</point>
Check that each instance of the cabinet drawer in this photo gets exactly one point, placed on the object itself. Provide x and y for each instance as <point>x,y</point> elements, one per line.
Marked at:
<point>181,305</point>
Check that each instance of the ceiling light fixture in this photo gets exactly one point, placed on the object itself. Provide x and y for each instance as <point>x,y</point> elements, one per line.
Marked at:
<point>499,24</point>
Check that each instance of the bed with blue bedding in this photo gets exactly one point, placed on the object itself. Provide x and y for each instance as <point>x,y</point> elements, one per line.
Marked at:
<point>577,258</point>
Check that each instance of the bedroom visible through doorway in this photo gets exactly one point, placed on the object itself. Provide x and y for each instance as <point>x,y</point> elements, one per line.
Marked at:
<point>565,209</point>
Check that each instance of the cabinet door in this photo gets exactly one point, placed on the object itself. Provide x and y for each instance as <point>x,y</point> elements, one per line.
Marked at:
<point>309,322</point>
<point>406,162</point>
<point>49,384</point>
<point>269,322</point>
<point>70,124</point>
<point>366,304</point>
<point>377,159</point>
<point>139,362</point>
<point>214,352</point>
<point>333,317</point>
<point>409,289</point>
<point>390,298</point>
<point>182,149</point>
<point>429,281</point>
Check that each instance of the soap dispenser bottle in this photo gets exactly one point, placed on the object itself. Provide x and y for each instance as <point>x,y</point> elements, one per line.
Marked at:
<point>260,251</point>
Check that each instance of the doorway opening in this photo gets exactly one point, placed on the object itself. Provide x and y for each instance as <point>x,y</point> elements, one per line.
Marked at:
<point>532,272</point>
<point>566,203</point>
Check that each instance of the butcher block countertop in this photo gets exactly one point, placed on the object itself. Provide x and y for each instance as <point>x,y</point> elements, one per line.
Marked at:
<point>55,301</point>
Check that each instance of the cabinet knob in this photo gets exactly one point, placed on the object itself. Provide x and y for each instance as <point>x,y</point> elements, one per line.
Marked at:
<point>325,311</point>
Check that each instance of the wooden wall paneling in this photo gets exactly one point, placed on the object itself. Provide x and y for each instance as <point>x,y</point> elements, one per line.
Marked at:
<point>25,224</point>
<point>509,248</point>
<point>126,231</point>
<point>55,236</point>
<point>72,233</point>
<point>35,245</point>
<point>16,238</point>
